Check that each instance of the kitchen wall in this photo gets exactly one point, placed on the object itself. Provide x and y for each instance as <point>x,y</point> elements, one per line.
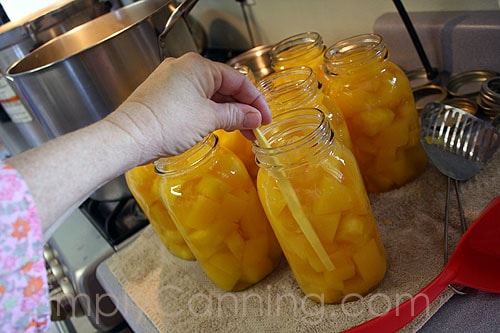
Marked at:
<point>274,20</point>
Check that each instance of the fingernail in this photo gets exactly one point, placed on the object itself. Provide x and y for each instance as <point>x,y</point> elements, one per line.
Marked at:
<point>251,120</point>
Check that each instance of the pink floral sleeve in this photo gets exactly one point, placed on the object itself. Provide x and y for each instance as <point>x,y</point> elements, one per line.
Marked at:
<point>24,300</point>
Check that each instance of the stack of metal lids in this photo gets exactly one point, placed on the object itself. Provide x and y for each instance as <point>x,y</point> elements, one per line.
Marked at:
<point>489,97</point>
<point>479,86</point>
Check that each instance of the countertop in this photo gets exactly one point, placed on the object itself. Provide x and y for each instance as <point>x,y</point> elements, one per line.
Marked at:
<point>410,220</point>
<point>476,312</point>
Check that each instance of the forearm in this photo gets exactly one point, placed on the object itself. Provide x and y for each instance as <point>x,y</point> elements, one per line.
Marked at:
<point>64,172</point>
<point>181,102</point>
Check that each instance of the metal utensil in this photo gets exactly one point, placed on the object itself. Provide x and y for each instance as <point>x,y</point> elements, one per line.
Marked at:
<point>180,11</point>
<point>459,145</point>
<point>474,263</point>
<point>431,72</point>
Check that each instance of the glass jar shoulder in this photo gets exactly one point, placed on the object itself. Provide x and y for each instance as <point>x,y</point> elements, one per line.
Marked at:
<point>386,88</point>
<point>331,175</point>
<point>224,173</point>
<point>374,72</point>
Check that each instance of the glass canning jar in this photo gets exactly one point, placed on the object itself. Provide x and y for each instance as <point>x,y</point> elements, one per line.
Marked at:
<point>329,187</point>
<point>376,99</point>
<point>143,184</point>
<point>297,87</point>
<point>215,206</point>
<point>304,49</point>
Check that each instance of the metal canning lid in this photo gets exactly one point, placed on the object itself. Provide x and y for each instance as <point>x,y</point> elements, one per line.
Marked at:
<point>466,104</point>
<point>428,93</point>
<point>418,78</point>
<point>490,90</point>
<point>489,96</point>
<point>468,84</point>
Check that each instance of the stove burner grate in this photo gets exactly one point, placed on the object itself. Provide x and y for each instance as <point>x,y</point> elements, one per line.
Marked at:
<point>115,220</point>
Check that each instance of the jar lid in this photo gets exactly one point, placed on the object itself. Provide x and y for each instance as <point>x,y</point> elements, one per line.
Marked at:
<point>418,77</point>
<point>468,84</point>
<point>489,96</point>
<point>466,104</point>
<point>428,93</point>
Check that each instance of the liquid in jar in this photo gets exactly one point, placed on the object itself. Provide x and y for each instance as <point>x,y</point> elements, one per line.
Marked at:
<point>215,206</point>
<point>297,87</point>
<point>304,49</point>
<point>329,187</point>
<point>377,101</point>
<point>143,183</point>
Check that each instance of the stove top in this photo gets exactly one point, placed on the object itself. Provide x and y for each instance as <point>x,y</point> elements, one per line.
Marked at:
<point>116,221</point>
<point>90,235</point>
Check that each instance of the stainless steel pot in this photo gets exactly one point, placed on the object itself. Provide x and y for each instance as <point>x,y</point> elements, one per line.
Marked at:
<point>258,59</point>
<point>17,39</point>
<point>79,77</point>
<point>64,17</point>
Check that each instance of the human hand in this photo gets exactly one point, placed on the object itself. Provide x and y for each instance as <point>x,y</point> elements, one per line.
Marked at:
<point>184,100</point>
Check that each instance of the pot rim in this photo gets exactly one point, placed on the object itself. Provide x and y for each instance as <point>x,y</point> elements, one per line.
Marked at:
<point>16,31</point>
<point>96,32</point>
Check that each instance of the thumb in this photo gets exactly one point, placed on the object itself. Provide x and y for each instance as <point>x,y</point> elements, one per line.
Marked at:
<point>237,116</point>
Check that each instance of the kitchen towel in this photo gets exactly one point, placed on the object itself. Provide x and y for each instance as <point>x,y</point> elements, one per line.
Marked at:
<point>176,296</point>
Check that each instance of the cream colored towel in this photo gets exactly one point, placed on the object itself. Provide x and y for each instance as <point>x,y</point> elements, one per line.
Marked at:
<point>177,297</point>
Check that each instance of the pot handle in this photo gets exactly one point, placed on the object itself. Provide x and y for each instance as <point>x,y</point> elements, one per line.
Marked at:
<point>181,10</point>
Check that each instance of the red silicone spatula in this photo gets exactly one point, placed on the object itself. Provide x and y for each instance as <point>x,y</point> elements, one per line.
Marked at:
<point>475,263</point>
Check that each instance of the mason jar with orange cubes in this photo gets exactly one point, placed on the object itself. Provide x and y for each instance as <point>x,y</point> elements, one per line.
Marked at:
<point>377,101</point>
<point>303,49</point>
<point>214,204</point>
<point>143,183</point>
<point>315,198</point>
<point>297,87</point>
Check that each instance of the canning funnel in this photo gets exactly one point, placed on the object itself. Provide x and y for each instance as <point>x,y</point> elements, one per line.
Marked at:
<point>474,263</point>
<point>459,145</point>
